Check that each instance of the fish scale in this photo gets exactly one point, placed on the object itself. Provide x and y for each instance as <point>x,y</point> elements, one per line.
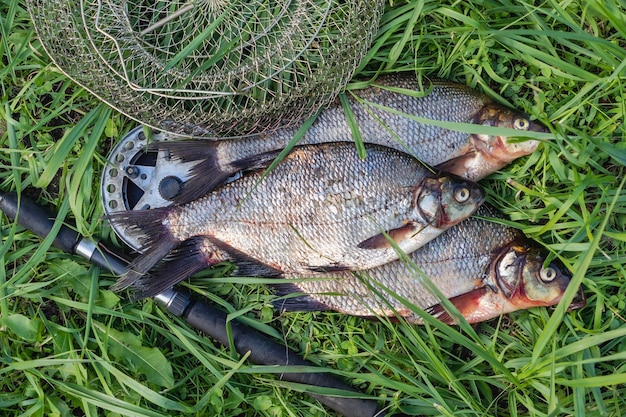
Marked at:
<point>455,262</point>
<point>446,101</point>
<point>321,209</point>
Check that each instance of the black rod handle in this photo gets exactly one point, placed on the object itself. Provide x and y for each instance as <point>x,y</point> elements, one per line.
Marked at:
<point>40,221</point>
<point>37,219</point>
<point>263,350</point>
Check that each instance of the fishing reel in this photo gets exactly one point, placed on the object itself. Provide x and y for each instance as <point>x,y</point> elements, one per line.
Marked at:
<point>137,179</point>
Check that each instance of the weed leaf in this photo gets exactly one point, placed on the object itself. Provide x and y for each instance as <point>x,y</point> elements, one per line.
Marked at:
<point>127,348</point>
<point>23,327</point>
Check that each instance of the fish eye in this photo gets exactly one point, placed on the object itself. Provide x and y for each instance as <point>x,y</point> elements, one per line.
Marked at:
<point>521,124</point>
<point>462,194</point>
<point>547,274</point>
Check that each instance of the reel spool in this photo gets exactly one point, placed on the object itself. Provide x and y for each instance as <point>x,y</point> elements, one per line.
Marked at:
<point>135,179</point>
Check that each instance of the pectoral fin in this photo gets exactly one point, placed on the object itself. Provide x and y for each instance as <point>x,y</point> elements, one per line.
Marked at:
<point>381,240</point>
<point>466,303</point>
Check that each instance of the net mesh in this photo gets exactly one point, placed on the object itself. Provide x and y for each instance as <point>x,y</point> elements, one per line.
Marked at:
<point>209,68</point>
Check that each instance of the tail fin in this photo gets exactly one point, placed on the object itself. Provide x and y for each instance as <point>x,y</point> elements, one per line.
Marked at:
<point>157,241</point>
<point>210,172</point>
<point>191,256</point>
<point>194,255</point>
<point>206,175</point>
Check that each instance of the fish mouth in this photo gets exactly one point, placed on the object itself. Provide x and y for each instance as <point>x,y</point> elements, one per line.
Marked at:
<point>501,150</point>
<point>577,303</point>
<point>507,149</point>
<point>487,155</point>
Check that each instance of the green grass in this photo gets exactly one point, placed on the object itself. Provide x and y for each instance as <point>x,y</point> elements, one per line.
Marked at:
<point>71,347</point>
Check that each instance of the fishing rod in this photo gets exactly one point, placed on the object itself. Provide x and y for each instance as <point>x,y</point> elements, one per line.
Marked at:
<point>197,313</point>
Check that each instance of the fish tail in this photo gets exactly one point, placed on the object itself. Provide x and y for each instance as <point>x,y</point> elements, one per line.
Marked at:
<point>208,173</point>
<point>191,256</point>
<point>157,241</point>
<point>255,162</point>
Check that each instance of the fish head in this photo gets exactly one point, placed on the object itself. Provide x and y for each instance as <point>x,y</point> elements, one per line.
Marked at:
<point>489,153</point>
<point>517,280</point>
<point>543,285</point>
<point>525,281</point>
<point>502,150</point>
<point>445,200</point>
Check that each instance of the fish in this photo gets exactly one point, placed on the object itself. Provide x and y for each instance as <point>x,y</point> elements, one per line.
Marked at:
<point>322,209</point>
<point>484,268</point>
<point>382,113</point>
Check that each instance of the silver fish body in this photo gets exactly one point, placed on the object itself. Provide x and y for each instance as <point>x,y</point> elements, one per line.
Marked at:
<point>380,112</point>
<point>484,268</point>
<point>321,209</point>
<point>431,144</point>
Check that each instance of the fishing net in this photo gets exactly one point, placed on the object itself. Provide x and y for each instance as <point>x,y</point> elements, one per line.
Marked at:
<point>207,68</point>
